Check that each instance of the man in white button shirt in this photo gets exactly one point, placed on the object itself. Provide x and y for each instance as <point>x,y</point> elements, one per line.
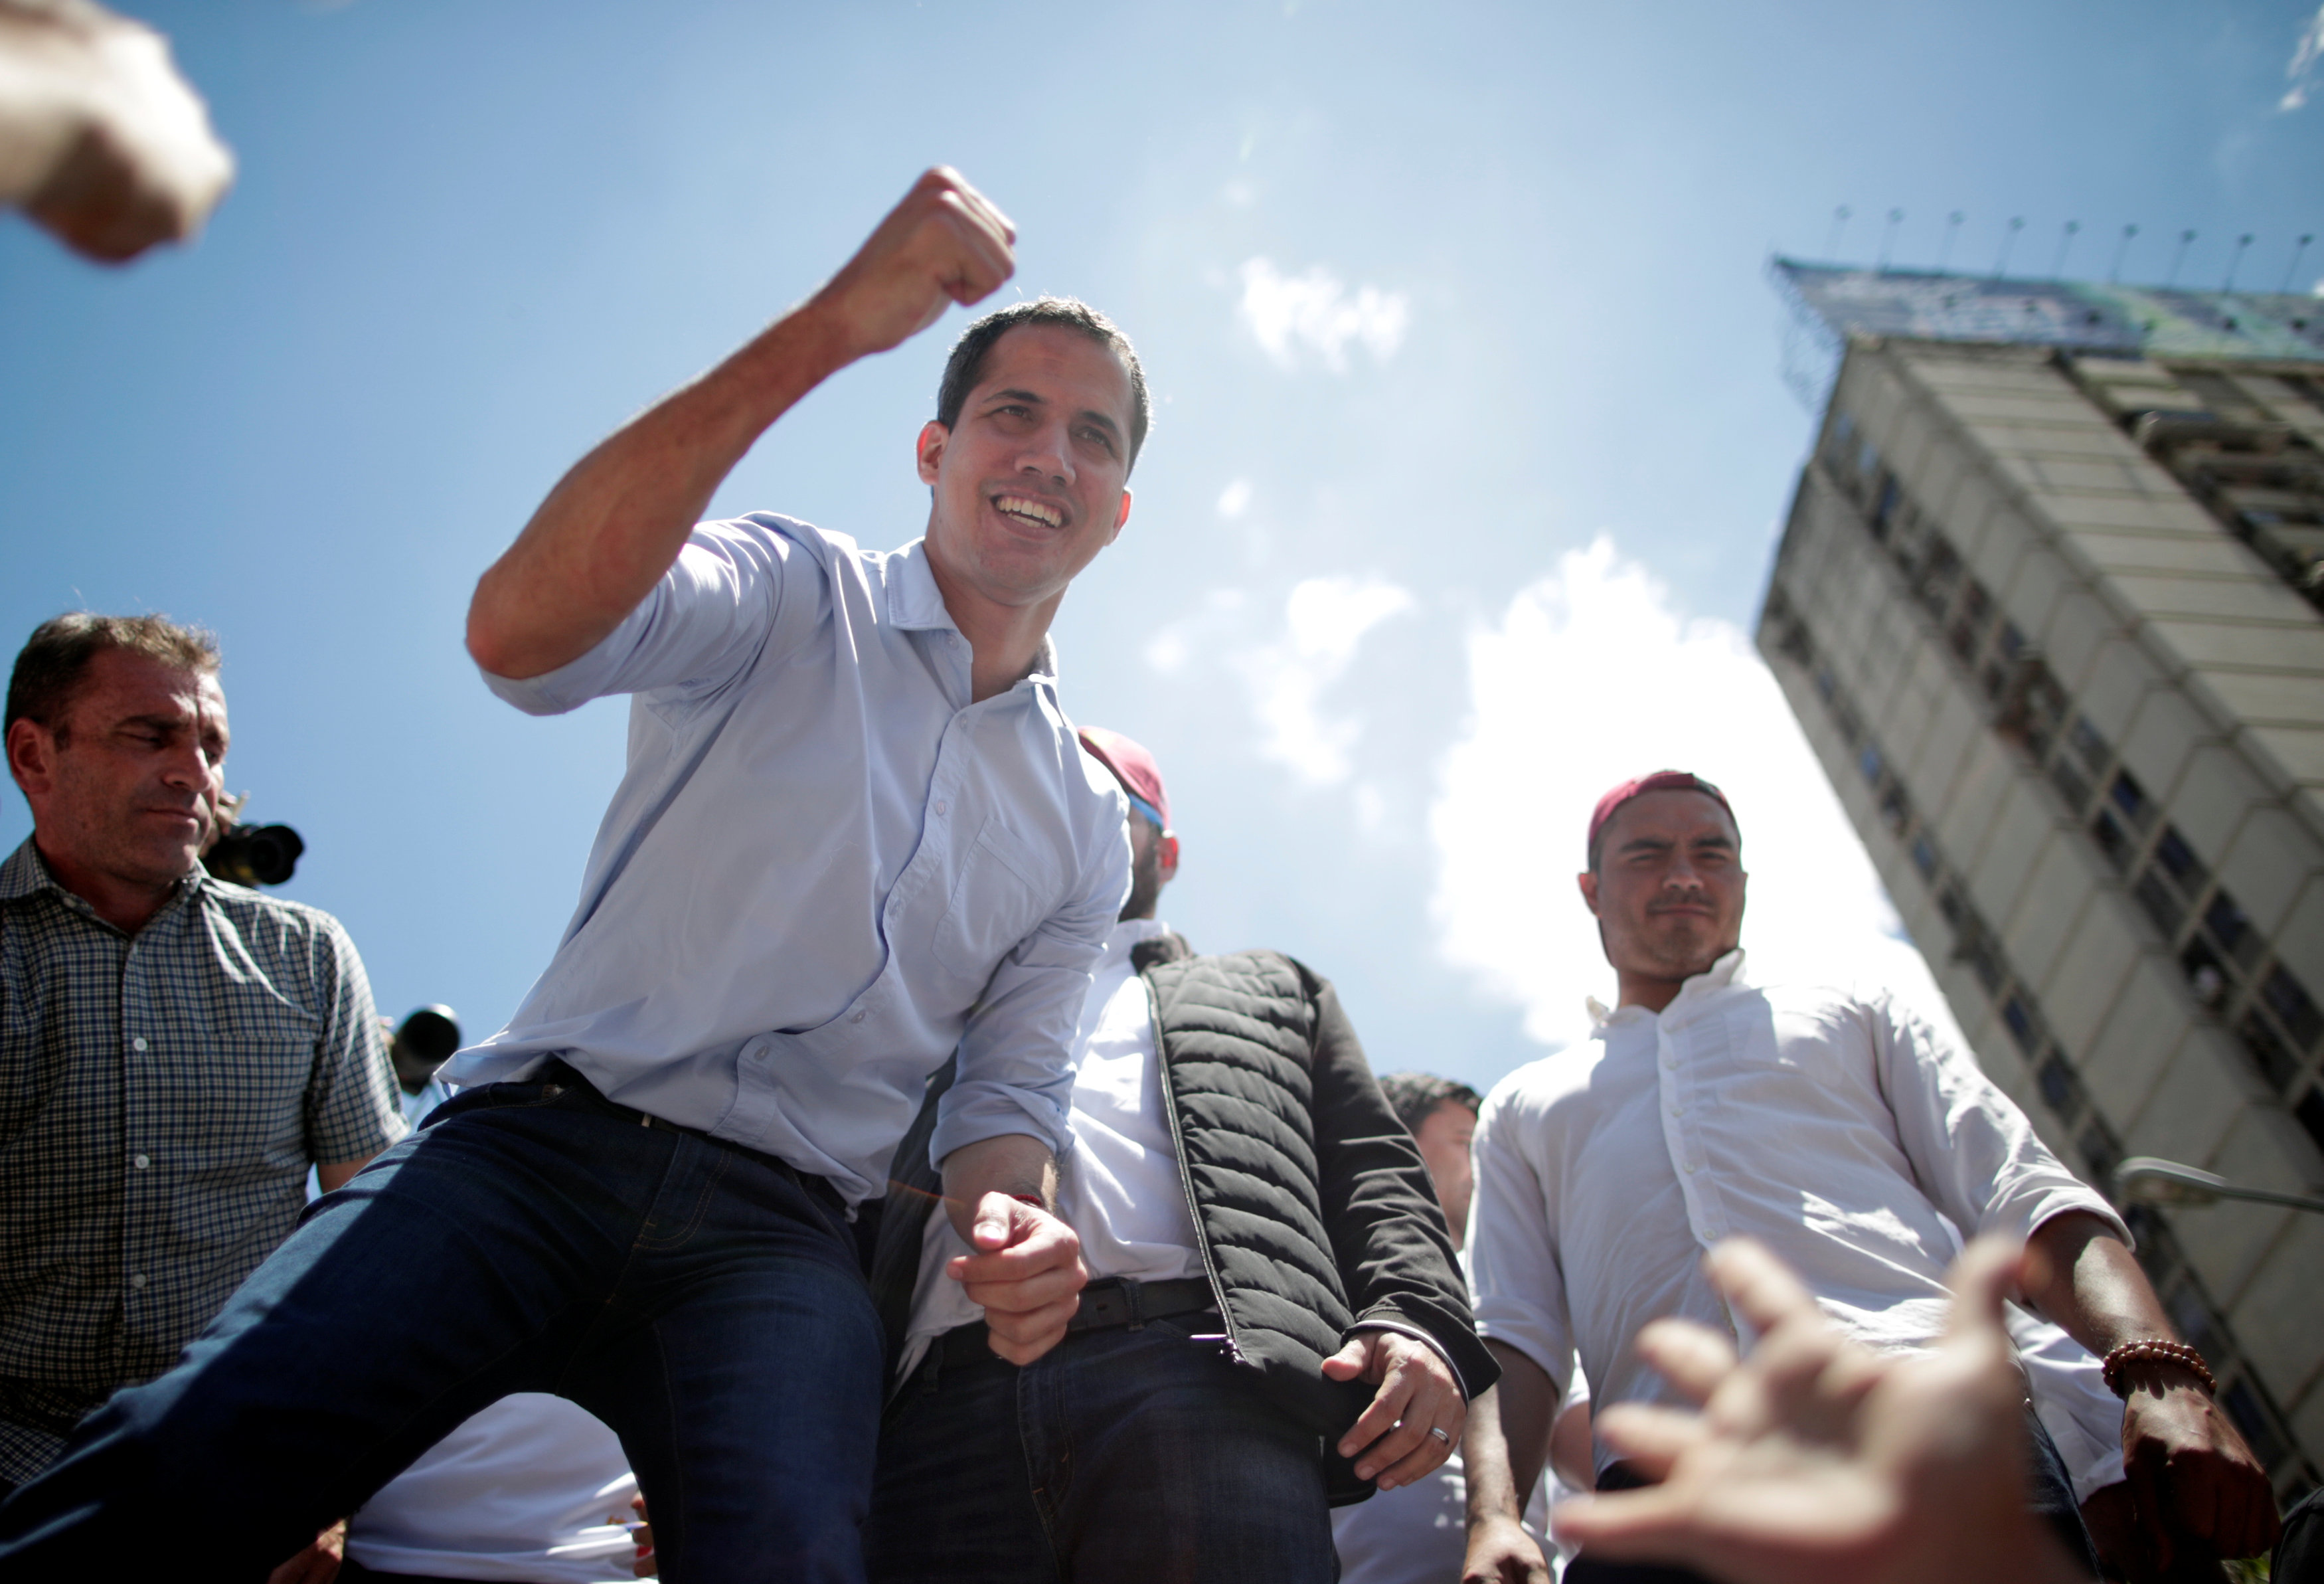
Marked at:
<point>855,836</point>
<point>1274,1320</point>
<point>1839,1130</point>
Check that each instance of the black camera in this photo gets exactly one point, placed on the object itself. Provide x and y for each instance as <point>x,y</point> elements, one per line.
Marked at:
<point>254,854</point>
<point>423,1042</point>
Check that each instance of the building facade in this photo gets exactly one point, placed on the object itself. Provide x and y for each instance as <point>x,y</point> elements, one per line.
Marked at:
<point>2049,607</point>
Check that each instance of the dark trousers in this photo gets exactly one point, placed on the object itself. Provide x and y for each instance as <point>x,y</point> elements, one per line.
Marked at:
<point>703,1299</point>
<point>2050,1495</point>
<point>1119,1454</point>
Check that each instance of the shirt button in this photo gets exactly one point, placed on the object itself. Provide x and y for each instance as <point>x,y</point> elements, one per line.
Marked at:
<point>1691,1166</point>
<point>857,1018</point>
<point>942,807</point>
<point>140,1162</point>
<point>138,1043</point>
<point>138,1281</point>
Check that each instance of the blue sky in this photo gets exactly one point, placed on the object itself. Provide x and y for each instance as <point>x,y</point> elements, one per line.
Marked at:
<point>1431,299</point>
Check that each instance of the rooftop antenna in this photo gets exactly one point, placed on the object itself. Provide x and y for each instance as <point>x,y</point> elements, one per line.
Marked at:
<point>1945,248</point>
<point>2058,270</point>
<point>2121,248</point>
<point>2177,258</point>
<point>1839,224</point>
<point>2292,268</point>
<point>2235,261</point>
<point>2008,239</point>
<point>1888,237</point>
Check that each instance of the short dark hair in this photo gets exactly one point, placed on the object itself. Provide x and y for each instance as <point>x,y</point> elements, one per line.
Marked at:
<point>53,660</point>
<point>1414,1095</point>
<point>965,366</point>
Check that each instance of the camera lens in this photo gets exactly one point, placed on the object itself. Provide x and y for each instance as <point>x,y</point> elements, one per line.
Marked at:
<point>254,854</point>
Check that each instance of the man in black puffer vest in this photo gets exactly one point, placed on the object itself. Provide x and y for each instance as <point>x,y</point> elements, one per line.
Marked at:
<point>1275,1323</point>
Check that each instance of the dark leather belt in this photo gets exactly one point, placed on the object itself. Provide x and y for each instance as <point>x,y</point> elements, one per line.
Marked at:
<point>1115,1301</point>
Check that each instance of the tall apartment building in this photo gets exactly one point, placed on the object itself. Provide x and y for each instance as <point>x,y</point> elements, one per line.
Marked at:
<point>2049,604</point>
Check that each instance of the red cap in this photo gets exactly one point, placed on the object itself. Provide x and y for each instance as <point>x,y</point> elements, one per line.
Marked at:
<point>1660,780</point>
<point>1132,766</point>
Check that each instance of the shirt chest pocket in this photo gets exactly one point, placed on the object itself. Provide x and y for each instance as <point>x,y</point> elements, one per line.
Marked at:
<point>1004,888</point>
<point>266,1047</point>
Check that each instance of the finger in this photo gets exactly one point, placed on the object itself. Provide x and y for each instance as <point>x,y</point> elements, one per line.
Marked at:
<point>1022,1338</point>
<point>1401,1441</point>
<point>1389,1405</point>
<point>992,211</point>
<point>2143,1472</point>
<point>982,257</point>
<point>1981,1280</point>
<point>1650,1437</point>
<point>987,213</point>
<point>999,1221</point>
<point>1422,1460</point>
<point>1778,1385</point>
<point>1761,1287</point>
<point>1694,1358</point>
<point>2191,1495</point>
<point>1353,1359</point>
<point>1023,1297</point>
<point>1655,1521</point>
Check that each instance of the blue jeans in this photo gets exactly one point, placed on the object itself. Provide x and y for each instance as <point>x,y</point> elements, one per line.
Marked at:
<point>1119,1454</point>
<point>703,1299</point>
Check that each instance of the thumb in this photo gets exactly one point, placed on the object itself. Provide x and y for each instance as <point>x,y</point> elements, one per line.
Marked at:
<point>1349,1361</point>
<point>1981,1280</point>
<point>996,1216</point>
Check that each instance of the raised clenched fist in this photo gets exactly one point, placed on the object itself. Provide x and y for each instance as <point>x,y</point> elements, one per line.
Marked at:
<point>945,242</point>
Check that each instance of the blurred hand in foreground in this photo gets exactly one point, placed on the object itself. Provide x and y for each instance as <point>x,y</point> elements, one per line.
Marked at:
<point>101,141</point>
<point>1817,1460</point>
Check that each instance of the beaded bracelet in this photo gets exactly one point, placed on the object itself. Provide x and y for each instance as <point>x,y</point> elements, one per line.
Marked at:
<point>2161,1352</point>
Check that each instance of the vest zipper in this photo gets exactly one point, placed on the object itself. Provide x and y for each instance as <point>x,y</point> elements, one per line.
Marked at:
<point>1186,1177</point>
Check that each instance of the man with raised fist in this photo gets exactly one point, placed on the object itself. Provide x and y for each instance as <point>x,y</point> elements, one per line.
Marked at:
<point>855,834</point>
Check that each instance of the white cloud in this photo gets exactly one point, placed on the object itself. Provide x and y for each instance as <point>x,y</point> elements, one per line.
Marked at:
<point>1169,649</point>
<point>1592,677</point>
<point>1325,619</point>
<point>2305,58</point>
<point>1316,313</point>
<point>1234,500</point>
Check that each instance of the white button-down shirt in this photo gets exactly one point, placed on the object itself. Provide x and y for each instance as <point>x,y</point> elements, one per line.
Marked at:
<point>1835,1129</point>
<point>824,868</point>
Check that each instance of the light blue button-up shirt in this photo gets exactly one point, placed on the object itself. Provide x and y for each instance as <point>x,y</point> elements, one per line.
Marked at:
<point>824,868</point>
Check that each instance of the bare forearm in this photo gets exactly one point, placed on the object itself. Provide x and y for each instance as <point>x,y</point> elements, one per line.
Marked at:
<point>1507,1437</point>
<point>2085,1280</point>
<point>1012,1163</point>
<point>613,525</point>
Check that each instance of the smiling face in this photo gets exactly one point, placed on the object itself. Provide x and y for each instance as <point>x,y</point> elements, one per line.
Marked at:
<point>124,788</point>
<point>1031,482</point>
<point>1667,891</point>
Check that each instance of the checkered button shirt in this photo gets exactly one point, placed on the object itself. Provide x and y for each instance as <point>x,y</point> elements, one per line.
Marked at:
<point>162,1095</point>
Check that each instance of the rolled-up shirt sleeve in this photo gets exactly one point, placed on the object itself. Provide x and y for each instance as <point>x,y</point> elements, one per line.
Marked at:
<point>1016,1054</point>
<point>1972,1150</point>
<point>353,1109</point>
<point>1514,1273</point>
<point>697,630</point>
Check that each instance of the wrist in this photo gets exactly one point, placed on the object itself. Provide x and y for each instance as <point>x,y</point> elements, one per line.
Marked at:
<point>2156,1364</point>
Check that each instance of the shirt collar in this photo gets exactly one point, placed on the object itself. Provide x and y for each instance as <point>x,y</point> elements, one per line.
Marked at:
<point>1728,970</point>
<point>27,873</point>
<point>914,604</point>
<point>1128,932</point>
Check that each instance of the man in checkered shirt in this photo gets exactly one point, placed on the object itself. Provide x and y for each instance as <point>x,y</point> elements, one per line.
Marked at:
<point>174,1050</point>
